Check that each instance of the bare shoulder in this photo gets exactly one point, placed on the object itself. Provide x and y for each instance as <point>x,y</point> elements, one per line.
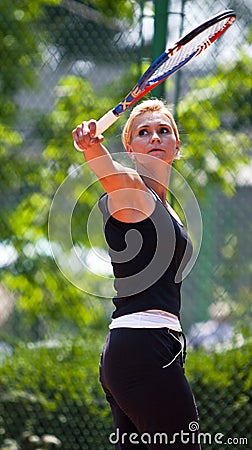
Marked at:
<point>119,177</point>
<point>129,199</point>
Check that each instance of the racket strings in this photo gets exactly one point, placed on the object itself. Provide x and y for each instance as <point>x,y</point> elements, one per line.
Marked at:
<point>180,55</point>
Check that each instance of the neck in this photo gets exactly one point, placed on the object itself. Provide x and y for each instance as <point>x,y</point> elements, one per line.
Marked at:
<point>159,181</point>
<point>160,189</point>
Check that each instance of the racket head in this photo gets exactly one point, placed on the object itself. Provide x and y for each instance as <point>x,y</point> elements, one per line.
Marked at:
<point>170,61</point>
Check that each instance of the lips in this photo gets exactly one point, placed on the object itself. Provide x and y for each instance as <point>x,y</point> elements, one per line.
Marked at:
<point>155,150</point>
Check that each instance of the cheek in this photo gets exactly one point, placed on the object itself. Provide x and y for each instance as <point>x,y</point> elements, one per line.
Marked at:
<point>137,144</point>
<point>168,138</point>
<point>173,141</point>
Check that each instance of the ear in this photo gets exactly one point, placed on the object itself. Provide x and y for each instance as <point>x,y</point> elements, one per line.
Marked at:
<point>177,149</point>
<point>130,151</point>
<point>129,148</point>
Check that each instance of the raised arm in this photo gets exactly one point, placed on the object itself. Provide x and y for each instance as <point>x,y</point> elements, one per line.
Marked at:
<point>129,198</point>
<point>111,174</point>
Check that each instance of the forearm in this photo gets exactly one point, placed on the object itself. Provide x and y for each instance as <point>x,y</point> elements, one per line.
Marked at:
<point>100,161</point>
<point>111,173</point>
<point>96,155</point>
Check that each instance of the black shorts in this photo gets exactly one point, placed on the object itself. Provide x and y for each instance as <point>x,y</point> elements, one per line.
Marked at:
<point>151,401</point>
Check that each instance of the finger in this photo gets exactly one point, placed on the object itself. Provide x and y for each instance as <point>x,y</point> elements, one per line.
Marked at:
<point>92,128</point>
<point>84,128</point>
<point>75,134</point>
<point>97,140</point>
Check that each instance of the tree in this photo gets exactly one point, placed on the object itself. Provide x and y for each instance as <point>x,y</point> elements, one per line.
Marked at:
<point>28,184</point>
<point>208,120</point>
<point>20,55</point>
<point>216,118</point>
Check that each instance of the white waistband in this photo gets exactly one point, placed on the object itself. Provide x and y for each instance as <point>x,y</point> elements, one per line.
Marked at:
<point>147,319</point>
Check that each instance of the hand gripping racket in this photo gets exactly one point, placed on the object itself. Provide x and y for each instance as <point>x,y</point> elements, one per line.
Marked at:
<point>169,62</point>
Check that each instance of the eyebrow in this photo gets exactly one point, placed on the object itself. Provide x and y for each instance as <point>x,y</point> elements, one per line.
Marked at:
<point>149,124</point>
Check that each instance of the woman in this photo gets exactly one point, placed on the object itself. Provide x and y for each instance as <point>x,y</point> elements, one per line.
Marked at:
<point>141,365</point>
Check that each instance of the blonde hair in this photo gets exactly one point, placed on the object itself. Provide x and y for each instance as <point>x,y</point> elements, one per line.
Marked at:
<point>152,105</point>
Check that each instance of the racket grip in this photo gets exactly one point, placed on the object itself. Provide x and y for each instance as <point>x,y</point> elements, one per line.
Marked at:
<point>105,122</point>
<point>102,125</point>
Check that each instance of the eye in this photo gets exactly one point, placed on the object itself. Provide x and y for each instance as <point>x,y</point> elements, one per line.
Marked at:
<point>165,130</point>
<point>142,132</point>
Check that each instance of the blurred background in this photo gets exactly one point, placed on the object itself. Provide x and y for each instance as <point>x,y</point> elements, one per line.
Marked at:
<point>66,61</point>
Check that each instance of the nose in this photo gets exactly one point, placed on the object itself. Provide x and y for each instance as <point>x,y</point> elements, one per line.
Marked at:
<point>155,137</point>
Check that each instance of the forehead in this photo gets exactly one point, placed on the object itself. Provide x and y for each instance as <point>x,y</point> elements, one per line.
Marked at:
<point>151,118</point>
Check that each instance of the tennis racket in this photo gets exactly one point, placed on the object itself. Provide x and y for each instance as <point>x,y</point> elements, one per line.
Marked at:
<point>169,62</point>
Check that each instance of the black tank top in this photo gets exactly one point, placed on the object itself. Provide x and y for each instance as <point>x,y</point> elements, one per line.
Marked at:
<point>148,258</point>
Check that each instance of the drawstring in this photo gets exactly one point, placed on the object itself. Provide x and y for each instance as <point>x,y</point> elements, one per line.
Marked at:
<point>182,348</point>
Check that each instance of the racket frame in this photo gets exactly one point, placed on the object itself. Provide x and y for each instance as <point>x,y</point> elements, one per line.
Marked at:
<point>143,86</point>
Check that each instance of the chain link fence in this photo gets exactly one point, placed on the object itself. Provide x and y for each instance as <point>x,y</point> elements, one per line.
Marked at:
<point>65,61</point>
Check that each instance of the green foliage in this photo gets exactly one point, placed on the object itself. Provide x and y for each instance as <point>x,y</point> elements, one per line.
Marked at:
<point>215,140</point>
<point>19,54</point>
<point>47,303</point>
<point>216,117</point>
<point>14,182</point>
<point>222,386</point>
<point>19,49</point>
<point>46,369</point>
<point>77,29</point>
<point>55,389</point>
<point>43,295</point>
<point>121,8</point>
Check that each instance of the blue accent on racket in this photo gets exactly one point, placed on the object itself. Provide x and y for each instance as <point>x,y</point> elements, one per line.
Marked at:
<point>169,62</point>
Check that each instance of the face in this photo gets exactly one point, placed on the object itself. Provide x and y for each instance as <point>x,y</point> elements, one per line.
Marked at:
<point>153,135</point>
